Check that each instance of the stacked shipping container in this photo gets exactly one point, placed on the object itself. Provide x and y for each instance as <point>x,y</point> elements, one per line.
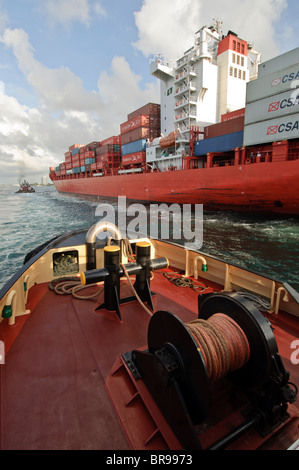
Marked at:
<point>272,102</point>
<point>108,155</point>
<point>223,136</point>
<point>143,124</point>
<point>90,158</point>
<point>125,149</point>
<point>218,144</point>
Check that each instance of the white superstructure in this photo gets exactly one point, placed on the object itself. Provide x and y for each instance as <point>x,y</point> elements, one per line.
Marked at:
<point>207,81</point>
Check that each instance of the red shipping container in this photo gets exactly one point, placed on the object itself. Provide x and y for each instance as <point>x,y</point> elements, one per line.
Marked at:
<point>155,122</point>
<point>75,162</point>
<point>151,109</point>
<point>92,146</point>
<point>68,166</point>
<point>101,165</point>
<point>134,158</point>
<point>89,154</point>
<point>93,166</point>
<point>140,133</point>
<point>107,148</point>
<point>75,146</point>
<point>233,115</point>
<point>114,140</point>
<point>68,154</point>
<point>102,158</point>
<point>138,121</point>
<point>223,128</point>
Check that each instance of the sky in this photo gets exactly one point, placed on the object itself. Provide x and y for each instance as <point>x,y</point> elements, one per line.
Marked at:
<point>72,70</point>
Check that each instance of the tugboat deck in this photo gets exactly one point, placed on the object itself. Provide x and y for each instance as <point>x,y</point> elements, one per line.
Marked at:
<point>54,384</point>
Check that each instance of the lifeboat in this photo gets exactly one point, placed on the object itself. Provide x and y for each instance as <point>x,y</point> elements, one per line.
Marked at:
<point>169,140</point>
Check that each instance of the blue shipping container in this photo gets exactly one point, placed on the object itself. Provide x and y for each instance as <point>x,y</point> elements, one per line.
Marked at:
<point>82,169</point>
<point>222,143</point>
<point>75,151</point>
<point>77,169</point>
<point>133,147</point>
<point>89,161</point>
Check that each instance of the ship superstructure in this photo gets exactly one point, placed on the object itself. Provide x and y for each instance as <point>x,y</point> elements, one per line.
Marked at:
<point>206,82</point>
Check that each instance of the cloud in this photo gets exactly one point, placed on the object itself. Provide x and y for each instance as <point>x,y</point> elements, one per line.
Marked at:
<point>57,89</point>
<point>66,12</point>
<point>120,89</point>
<point>20,147</point>
<point>36,138</point>
<point>168,26</point>
<point>2,89</point>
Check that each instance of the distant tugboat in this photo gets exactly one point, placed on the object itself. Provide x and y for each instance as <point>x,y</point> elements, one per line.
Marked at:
<point>25,187</point>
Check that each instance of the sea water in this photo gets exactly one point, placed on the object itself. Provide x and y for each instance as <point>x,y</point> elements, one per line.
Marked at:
<point>267,246</point>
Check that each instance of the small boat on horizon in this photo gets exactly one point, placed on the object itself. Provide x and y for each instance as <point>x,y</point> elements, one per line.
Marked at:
<point>25,187</point>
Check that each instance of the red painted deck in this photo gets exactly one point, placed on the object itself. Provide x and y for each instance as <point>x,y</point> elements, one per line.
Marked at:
<point>53,384</point>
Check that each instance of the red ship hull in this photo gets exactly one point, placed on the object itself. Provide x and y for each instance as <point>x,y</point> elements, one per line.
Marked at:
<point>260,188</point>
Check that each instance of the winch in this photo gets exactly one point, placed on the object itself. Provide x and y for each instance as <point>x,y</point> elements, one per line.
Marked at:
<point>230,341</point>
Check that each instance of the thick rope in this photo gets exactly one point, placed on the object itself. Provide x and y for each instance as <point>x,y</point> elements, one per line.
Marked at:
<point>134,291</point>
<point>72,285</point>
<point>222,343</point>
<point>180,281</point>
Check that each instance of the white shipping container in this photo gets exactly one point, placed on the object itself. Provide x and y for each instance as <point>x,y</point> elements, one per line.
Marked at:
<point>273,84</point>
<point>280,62</point>
<point>273,130</point>
<point>275,106</point>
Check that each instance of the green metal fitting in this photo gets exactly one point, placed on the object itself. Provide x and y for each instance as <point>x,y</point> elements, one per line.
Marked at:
<point>7,311</point>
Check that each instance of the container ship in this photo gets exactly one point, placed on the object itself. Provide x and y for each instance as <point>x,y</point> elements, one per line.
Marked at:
<point>225,134</point>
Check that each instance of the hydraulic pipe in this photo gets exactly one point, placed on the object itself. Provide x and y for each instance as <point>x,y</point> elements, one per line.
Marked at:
<point>239,431</point>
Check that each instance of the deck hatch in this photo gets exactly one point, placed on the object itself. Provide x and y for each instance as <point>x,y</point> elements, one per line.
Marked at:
<point>65,262</point>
